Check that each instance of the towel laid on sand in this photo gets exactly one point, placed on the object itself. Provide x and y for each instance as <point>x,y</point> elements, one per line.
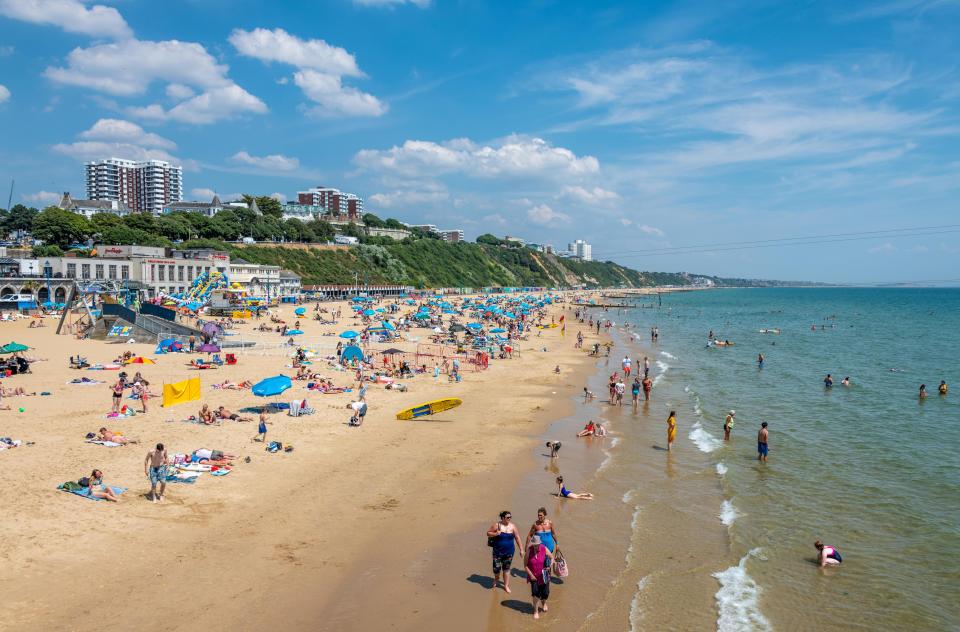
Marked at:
<point>109,444</point>
<point>85,492</point>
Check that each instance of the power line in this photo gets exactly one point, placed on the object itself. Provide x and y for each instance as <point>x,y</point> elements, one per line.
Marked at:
<point>919,231</point>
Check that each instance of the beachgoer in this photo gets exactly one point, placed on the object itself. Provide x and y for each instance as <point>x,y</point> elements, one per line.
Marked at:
<point>554,448</point>
<point>205,416</point>
<point>620,388</point>
<point>155,467</point>
<point>943,388</point>
<point>588,430</point>
<point>760,361</point>
<point>845,381</point>
<point>117,390</point>
<point>587,394</point>
<point>262,427</point>
<point>635,392</point>
<point>828,381</point>
<point>115,437</point>
<point>539,560</point>
<point>504,538</point>
<point>647,387</point>
<point>827,555</point>
<point>563,492</point>
<point>763,439</point>
<point>923,391</point>
<point>671,429</point>
<point>599,431</point>
<point>359,412</point>
<point>223,413</point>
<point>97,489</point>
<point>544,529</point>
<point>646,366</point>
<point>728,424</point>
<point>141,388</point>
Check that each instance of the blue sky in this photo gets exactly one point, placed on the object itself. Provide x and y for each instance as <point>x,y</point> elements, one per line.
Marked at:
<point>640,126</point>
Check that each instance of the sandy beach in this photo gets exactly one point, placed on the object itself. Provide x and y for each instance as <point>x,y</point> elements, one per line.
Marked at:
<point>391,513</point>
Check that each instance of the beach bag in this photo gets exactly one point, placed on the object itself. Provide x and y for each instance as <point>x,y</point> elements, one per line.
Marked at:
<point>561,569</point>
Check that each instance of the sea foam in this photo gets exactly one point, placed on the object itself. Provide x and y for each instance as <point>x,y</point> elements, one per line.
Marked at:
<point>737,599</point>
<point>721,468</point>
<point>705,441</point>
<point>636,614</point>
<point>728,513</point>
<point>663,367</point>
<point>667,354</point>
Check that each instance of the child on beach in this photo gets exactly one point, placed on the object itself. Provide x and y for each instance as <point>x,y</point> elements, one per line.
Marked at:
<point>262,427</point>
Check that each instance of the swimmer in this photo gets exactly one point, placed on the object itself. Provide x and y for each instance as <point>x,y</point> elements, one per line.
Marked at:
<point>563,492</point>
<point>923,391</point>
<point>827,555</point>
<point>828,381</point>
<point>943,388</point>
<point>845,381</point>
<point>554,448</point>
<point>760,361</point>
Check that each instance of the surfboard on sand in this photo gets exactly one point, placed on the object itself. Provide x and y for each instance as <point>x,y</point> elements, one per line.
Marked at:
<point>429,408</point>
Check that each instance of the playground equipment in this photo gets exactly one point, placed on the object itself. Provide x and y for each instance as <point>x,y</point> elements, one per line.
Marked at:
<point>199,292</point>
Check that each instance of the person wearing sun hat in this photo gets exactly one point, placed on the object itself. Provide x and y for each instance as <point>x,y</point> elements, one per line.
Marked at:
<point>728,424</point>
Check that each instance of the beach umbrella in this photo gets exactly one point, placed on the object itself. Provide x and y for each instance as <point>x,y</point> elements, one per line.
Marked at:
<point>392,351</point>
<point>208,347</point>
<point>300,311</point>
<point>497,330</point>
<point>13,347</point>
<point>380,310</point>
<point>271,386</point>
<point>474,326</point>
<point>140,360</point>
<point>349,334</point>
<point>389,326</point>
<point>293,332</point>
<point>368,312</point>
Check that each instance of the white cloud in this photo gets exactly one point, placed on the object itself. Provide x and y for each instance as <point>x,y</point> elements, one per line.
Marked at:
<point>626,222</point>
<point>515,155</point>
<point>70,15</point>
<point>179,92</point>
<point>207,107</point>
<point>126,132</point>
<point>93,150</point>
<point>652,230</point>
<point>278,45</point>
<point>495,218</point>
<point>320,70</point>
<point>279,197</point>
<point>423,4</point>
<point>4,93</point>
<point>46,198</point>
<point>333,98</point>
<point>596,195</point>
<point>425,193</point>
<point>543,214</point>
<point>885,248</point>
<point>205,193</point>
<point>274,162</point>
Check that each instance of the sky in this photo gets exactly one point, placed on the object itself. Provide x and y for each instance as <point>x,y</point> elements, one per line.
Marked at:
<point>672,136</point>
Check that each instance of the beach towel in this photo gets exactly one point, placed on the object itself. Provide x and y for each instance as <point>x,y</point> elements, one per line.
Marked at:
<point>84,492</point>
<point>181,392</point>
<point>109,444</point>
<point>220,472</point>
<point>82,381</point>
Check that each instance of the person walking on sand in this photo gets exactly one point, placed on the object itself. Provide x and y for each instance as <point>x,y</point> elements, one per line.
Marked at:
<point>545,530</point>
<point>504,538</point>
<point>620,390</point>
<point>763,440</point>
<point>539,559</point>
<point>262,427</point>
<point>155,467</point>
<point>728,424</point>
<point>671,429</point>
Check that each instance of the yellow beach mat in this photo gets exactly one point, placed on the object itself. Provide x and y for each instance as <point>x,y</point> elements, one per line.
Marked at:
<point>181,392</point>
<point>429,408</point>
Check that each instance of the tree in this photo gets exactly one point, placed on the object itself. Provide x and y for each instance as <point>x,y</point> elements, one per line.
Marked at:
<point>266,204</point>
<point>373,221</point>
<point>394,223</point>
<point>124,235</point>
<point>38,252</point>
<point>56,226</point>
<point>490,240</point>
<point>20,217</point>
<point>141,221</point>
<point>174,227</point>
<point>322,231</point>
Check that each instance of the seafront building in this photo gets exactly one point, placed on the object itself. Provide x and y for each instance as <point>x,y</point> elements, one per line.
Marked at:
<point>144,186</point>
<point>336,203</point>
<point>580,249</point>
<point>88,208</point>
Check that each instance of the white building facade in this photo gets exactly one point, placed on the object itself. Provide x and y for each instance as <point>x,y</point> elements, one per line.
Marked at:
<point>581,250</point>
<point>143,186</point>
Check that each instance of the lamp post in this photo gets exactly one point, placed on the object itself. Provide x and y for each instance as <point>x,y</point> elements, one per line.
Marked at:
<point>47,271</point>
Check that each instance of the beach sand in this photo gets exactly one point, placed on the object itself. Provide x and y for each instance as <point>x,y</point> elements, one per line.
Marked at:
<point>357,528</point>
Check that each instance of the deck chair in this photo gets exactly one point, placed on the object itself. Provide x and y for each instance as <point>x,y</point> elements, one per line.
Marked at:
<point>216,359</point>
<point>231,358</point>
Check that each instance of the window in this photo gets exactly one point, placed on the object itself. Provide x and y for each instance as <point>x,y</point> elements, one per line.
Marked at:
<point>189,273</point>
<point>124,272</point>
<point>71,270</point>
<point>170,272</point>
<point>112,271</point>
<point>163,270</point>
<point>85,270</point>
<point>99,270</point>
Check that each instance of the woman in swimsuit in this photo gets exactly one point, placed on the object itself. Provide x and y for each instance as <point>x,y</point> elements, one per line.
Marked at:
<point>96,488</point>
<point>117,395</point>
<point>544,528</point>
<point>563,492</point>
<point>588,430</point>
<point>827,555</point>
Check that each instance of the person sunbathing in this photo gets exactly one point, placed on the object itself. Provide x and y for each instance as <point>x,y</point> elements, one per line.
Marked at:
<point>211,456</point>
<point>115,437</point>
<point>205,416</point>
<point>223,413</point>
<point>96,488</point>
<point>589,430</point>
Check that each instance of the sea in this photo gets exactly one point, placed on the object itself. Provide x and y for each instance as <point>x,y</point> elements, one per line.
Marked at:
<point>870,468</point>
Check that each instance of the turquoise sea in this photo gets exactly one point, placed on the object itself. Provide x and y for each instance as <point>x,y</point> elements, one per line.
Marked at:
<point>871,468</point>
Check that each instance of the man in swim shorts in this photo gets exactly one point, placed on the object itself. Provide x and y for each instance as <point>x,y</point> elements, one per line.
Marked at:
<point>763,447</point>
<point>154,467</point>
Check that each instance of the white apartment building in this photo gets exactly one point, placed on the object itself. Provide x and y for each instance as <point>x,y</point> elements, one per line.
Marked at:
<point>454,235</point>
<point>581,250</point>
<point>143,186</point>
<point>334,201</point>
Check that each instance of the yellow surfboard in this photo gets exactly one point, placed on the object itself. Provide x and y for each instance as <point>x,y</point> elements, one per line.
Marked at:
<point>429,408</point>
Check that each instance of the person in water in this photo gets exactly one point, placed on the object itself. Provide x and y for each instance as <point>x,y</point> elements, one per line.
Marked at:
<point>728,424</point>
<point>671,429</point>
<point>827,555</point>
<point>923,391</point>
<point>554,448</point>
<point>828,381</point>
<point>845,381</point>
<point>763,439</point>
<point>503,537</point>
<point>760,360</point>
<point>943,388</point>
<point>588,430</point>
<point>563,492</point>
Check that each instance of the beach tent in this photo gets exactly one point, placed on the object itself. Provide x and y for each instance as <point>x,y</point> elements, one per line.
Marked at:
<point>271,386</point>
<point>168,345</point>
<point>389,326</point>
<point>294,332</point>
<point>350,353</point>
<point>349,334</point>
<point>392,351</point>
<point>181,392</point>
<point>140,360</point>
